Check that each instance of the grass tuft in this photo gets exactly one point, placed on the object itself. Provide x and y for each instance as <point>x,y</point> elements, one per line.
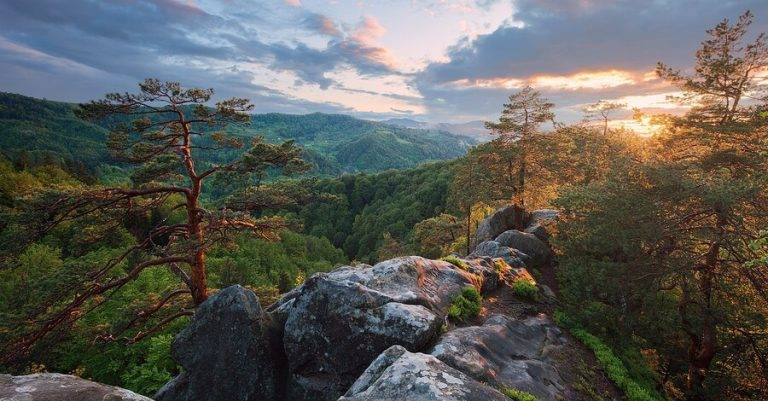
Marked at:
<point>465,305</point>
<point>525,290</point>
<point>454,260</point>
<point>518,395</point>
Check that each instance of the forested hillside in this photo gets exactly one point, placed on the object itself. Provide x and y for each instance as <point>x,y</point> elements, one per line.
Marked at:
<point>364,209</point>
<point>651,251</point>
<point>35,131</point>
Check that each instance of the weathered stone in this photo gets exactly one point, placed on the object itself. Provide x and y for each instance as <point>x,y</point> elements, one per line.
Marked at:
<point>539,221</point>
<point>539,231</point>
<point>506,352</point>
<point>542,216</point>
<point>493,249</point>
<point>228,351</point>
<point>342,320</point>
<point>401,375</point>
<point>487,273</point>
<point>529,244</point>
<point>58,387</point>
<point>501,220</point>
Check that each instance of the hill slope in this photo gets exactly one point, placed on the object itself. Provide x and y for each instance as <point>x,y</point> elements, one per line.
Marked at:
<point>42,129</point>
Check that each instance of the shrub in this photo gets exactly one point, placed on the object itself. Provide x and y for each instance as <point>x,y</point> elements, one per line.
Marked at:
<point>611,364</point>
<point>518,395</point>
<point>465,305</point>
<point>454,260</point>
<point>525,290</point>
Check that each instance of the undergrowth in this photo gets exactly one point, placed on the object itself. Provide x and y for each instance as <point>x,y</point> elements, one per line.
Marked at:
<point>526,290</point>
<point>465,305</point>
<point>611,364</point>
<point>518,395</point>
<point>454,260</point>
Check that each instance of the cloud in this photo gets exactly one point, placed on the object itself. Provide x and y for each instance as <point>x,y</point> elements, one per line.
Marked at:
<point>296,56</point>
<point>118,42</point>
<point>368,31</point>
<point>573,50</point>
<point>322,24</point>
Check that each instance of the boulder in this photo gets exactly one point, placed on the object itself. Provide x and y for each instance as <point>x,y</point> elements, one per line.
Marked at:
<point>401,375</point>
<point>529,244</point>
<point>542,216</point>
<point>493,249</point>
<point>229,351</point>
<point>538,222</point>
<point>58,387</point>
<point>501,220</point>
<point>342,320</point>
<point>506,352</point>
<point>488,273</point>
<point>539,231</point>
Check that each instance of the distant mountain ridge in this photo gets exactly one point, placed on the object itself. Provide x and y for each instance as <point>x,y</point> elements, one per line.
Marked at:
<point>472,129</point>
<point>334,143</point>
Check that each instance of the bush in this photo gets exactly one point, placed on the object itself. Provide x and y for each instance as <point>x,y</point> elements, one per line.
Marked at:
<point>611,364</point>
<point>454,260</point>
<point>465,305</point>
<point>525,290</point>
<point>518,395</point>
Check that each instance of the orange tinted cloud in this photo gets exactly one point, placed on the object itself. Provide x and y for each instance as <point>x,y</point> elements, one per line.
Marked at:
<point>585,80</point>
<point>368,30</point>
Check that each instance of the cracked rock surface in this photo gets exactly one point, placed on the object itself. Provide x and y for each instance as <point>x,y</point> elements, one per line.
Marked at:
<point>58,387</point>
<point>507,352</point>
<point>401,375</point>
<point>338,322</point>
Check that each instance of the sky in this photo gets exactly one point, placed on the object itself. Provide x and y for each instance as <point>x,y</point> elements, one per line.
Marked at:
<point>430,60</point>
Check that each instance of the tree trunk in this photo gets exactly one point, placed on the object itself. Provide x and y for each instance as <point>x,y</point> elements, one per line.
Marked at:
<point>704,345</point>
<point>521,182</point>
<point>198,280</point>
<point>469,229</point>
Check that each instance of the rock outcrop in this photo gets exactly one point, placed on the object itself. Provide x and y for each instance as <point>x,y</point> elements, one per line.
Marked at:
<point>401,375</point>
<point>338,322</point>
<point>58,387</point>
<point>538,222</point>
<point>492,249</point>
<point>529,244</point>
<point>228,352</point>
<point>501,220</point>
<point>507,353</point>
<point>381,332</point>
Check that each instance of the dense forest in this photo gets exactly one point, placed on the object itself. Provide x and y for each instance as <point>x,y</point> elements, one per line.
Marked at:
<point>662,240</point>
<point>35,132</point>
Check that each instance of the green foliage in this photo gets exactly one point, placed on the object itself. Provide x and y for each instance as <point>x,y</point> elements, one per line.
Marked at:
<point>435,236</point>
<point>360,145</point>
<point>456,261</point>
<point>465,305</point>
<point>364,207</point>
<point>32,274</point>
<point>257,263</point>
<point>46,132</point>
<point>518,395</point>
<point>611,364</point>
<point>156,370</point>
<point>525,290</point>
